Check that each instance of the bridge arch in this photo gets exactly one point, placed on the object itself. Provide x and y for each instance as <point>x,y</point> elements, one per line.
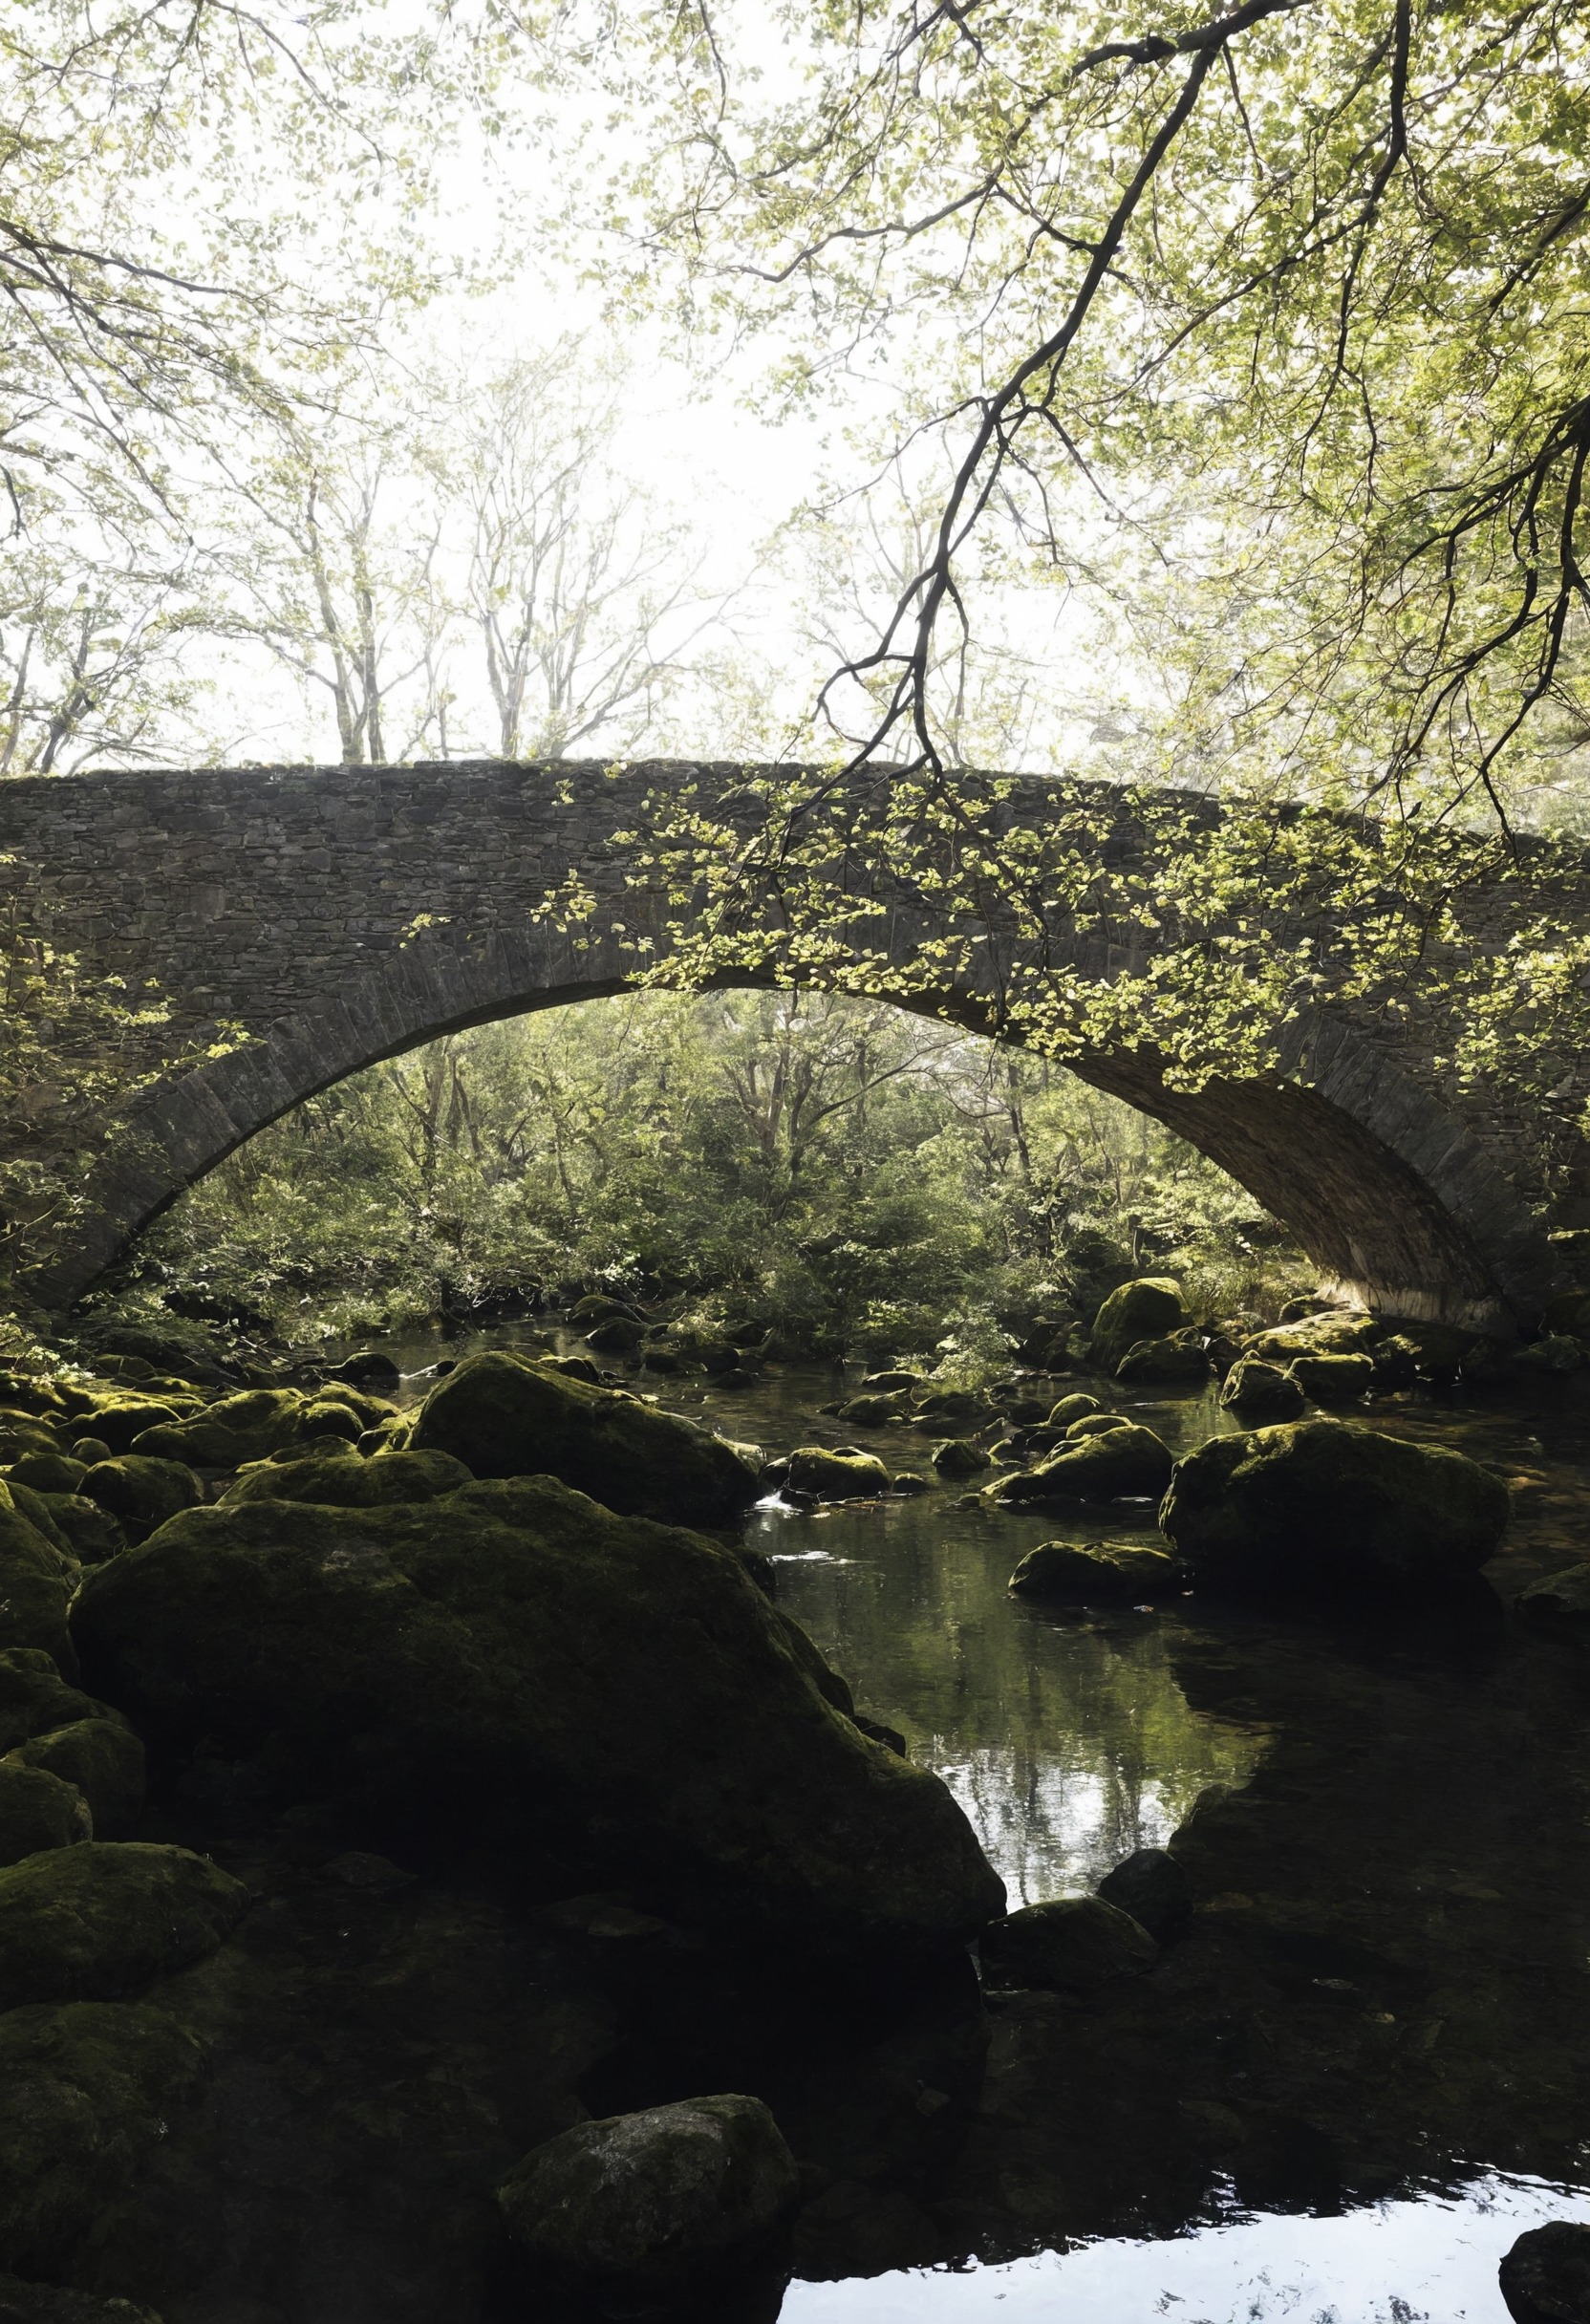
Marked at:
<point>1381,1186</point>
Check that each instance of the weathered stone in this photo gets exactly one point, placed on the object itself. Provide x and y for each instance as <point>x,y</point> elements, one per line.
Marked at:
<point>1145,1309</point>
<point>36,1584</point>
<point>1076,1944</point>
<point>23,2303</point>
<point>959,1456</point>
<point>657,2201</point>
<point>35,1698</point>
<point>102,1758</point>
<point>85,2095</point>
<point>1154,1889</point>
<point>1124,1464</point>
<point>1092,1573</point>
<point>38,1811</point>
<point>908,1484</point>
<point>873,1411</point>
<point>340,1479</point>
<point>48,1473</point>
<point>836,1477</point>
<point>140,1492</point>
<point>1563,1597</point>
<point>1545,2278</point>
<point>121,1420</point>
<point>91,1533</point>
<point>246,1427</point>
<point>95,1922</point>
<point>503,1416</point>
<point>1334,1379</point>
<point>1262,1390</point>
<point>1319,1506</point>
<point>1162,1359</point>
<point>517,1646</point>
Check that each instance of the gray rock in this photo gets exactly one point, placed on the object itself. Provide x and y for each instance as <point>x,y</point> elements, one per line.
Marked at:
<point>1154,1889</point>
<point>1563,1597</point>
<point>1545,2278</point>
<point>655,2201</point>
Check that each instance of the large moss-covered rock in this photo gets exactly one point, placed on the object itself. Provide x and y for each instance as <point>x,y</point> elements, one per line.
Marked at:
<point>1147,1309</point>
<point>1164,1359</point>
<point>1321,1506</point>
<point>90,1533</point>
<point>1263,1391</point>
<point>92,1923</point>
<point>1073,1944</point>
<point>654,2201</point>
<point>102,1758</point>
<point>246,1427</point>
<point>1335,1331</point>
<point>38,1811</point>
<point>120,1419</point>
<point>35,1698</point>
<point>502,1416</point>
<point>516,1646</point>
<point>1334,1378</point>
<point>141,1493</point>
<point>836,1476</point>
<point>341,1479</point>
<point>86,2092</point>
<point>48,1473</point>
<point>37,1581</point>
<point>1124,1464</point>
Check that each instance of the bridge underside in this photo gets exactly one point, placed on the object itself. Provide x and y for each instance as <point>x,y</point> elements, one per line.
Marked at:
<point>1384,1189</point>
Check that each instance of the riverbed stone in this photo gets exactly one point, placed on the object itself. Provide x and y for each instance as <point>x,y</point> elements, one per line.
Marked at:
<point>516,1646</point>
<point>1262,1391</point>
<point>101,1757</point>
<point>1334,1379</point>
<point>120,1419</point>
<point>1545,2278</point>
<point>249,1425</point>
<point>37,1581</point>
<point>959,1456</point>
<point>95,1922</point>
<point>1073,1944</point>
<point>1071,1409</point>
<point>38,1811</point>
<point>1154,1889</point>
<point>86,2092</point>
<point>338,1477</point>
<point>23,2303</point>
<point>1148,1308</point>
<point>1092,1573</point>
<point>1164,1359</point>
<point>48,1473</point>
<point>874,1411</point>
<point>141,1493</point>
<point>35,1698</point>
<point>503,1416</point>
<point>1322,1507</point>
<point>1124,1464</point>
<point>1095,1423</point>
<point>91,1533</point>
<point>836,1475</point>
<point>1563,1597</point>
<point>654,2201</point>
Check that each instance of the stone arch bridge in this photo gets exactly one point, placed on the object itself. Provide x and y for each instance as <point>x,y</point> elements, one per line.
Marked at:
<point>342,916</point>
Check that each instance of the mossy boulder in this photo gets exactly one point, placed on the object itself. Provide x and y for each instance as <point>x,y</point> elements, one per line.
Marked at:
<point>959,1456</point>
<point>1092,1573</point>
<point>140,1492</point>
<point>118,1420</point>
<point>1071,1409</point>
<point>1334,1379</point>
<point>1094,1424</point>
<point>22,1434</point>
<point>23,2303</point>
<point>1164,1359</point>
<point>836,1477</point>
<point>874,1411</point>
<point>38,1811</point>
<point>505,1416</point>
<point>1331,1331</point>
<point>654,2203</point>
<point>37,1581</point>
<point>1154,1889</point>
<point>101,1757</point>
<point>342,1480</point>
<point>48,1473</point>
<point>1148,1308</point>
<point>515,1645</point>
<point>90,1533</point>
<point>1075,1943</point>
<point>86,2092</point>
<point>92,1923</point>
<point>1319,1506</point>
<point>35,1698</point>
<point>1124,1464</point>
<point>1263,1390</point>
<point>1563,1597</point>
<point>249,1425</point>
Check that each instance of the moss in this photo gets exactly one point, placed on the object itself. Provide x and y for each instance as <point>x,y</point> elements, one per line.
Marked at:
<point>90,1533</point>
<point>93,1922</point>
<point>1072,1408</point>
<point>36,1585</point>
<point>141,1493</point>
<point>119,1418</point>
<point>1076,1944</point>
<point>102,1758</point>
<point>836,1477</point>
<point>1263,1390</point>
<point>1319,1505</point>
<point>48,1473</point>
<point>1124,1464</point>
<point>342,1480</point>
<point>515,1646</point>
<point>959,1456</point>
<point>38,1810</point>
<point>35,1697</point>
<point>85,2095</point>
<point>246,1427</point>
<point>21,1435</point>
<point>1162,1359</point>
<point>505,1416</point>
<point>1092,1573</point>
<point>1094,1424</point>
<point>873,1411</point>
<point>1332,1379</point>
<point>1147,1309</point>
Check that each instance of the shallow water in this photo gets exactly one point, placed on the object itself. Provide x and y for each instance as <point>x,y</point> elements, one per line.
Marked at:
<point>1369,2068</point>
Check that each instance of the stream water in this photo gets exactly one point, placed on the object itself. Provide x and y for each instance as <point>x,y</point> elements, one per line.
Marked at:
<point>1369,2068</point>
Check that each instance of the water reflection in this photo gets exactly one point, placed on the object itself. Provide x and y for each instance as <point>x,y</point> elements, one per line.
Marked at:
<point>1431,2260</point>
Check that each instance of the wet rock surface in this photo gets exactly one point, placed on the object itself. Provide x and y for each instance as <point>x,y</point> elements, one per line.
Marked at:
<point>1075,1943</point>
<point>1545,2278</point>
